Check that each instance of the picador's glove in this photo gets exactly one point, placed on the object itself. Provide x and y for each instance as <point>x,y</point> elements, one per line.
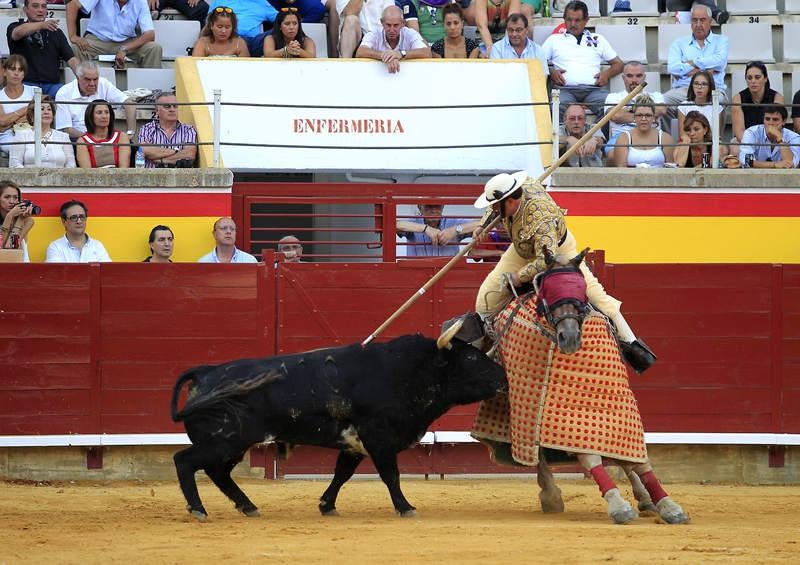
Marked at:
<point>637,354</point>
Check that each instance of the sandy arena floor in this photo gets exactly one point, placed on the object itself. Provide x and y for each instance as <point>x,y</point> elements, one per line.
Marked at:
<point>459,521</point>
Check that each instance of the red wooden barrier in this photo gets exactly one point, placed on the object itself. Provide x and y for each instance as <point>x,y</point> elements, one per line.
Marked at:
<point>91,349</point>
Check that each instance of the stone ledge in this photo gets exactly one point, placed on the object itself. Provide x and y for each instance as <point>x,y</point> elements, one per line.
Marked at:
<point>119,178</point>
<point>728,179</point>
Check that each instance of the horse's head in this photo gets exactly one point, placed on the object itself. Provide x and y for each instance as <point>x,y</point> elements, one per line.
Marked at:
<point>561,298</point>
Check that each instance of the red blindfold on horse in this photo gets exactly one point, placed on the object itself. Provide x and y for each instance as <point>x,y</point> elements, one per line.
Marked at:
<point>559,286</point>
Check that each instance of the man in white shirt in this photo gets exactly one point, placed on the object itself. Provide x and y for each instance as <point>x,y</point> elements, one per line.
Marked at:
<point>633,74</point>
<point>76,246</point>
<point>576,55</point>
<point>123,28</point>
<point>356,18</point>
<point>225,251</point>
<point>770,145</point>
<point>394,42</point>
<point>89,86</point>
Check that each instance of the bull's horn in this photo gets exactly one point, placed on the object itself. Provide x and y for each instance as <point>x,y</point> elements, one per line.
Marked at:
<point>444,339</point>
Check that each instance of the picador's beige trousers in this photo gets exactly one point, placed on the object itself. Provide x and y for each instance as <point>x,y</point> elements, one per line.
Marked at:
<point>494,292</point>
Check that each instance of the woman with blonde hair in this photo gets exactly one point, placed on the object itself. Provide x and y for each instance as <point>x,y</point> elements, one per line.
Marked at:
<point>644,145</point>
<point>219,37</point>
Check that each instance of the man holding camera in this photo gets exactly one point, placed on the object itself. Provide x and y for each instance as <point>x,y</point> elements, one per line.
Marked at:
<point>166,141</point>
<point>43,45</point>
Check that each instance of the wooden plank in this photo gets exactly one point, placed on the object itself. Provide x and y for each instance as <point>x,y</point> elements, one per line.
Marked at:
<point>674,276</point>
<point>190,324</point>
<point>710,423</point>
<point>187,275</point>
<point>42,375</point>
<point>712,349</point>
<point>44,299</point>
<point>712,402</point>
<point>45,402</point>
<point>700,300</point>
<point>791,276</point>
<point>192,351</point>
<point>136,403</point>
<point>45,350</point>
<point>27,424</point>
<point>35,276</point>
<point>43,324</point>
<point>686,373</point>
<point>690,324</point>
<point>144,424</point>
<point>179,300</point>
<point>124,375</point>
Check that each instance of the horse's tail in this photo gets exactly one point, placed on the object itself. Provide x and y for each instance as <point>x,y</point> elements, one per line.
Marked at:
<point>222,390</point>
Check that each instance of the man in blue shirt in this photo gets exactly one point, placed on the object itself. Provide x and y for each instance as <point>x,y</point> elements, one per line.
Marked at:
<point>517,44</point>
<point>251,15</point>
<point>701,51</point>
<point>433,235</point>
<point>123,28</point>
<point>771,145</point>
<point>225,250</point>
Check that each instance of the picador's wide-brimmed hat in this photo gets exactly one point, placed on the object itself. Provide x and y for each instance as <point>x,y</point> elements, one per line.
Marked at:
<point>499,187</point>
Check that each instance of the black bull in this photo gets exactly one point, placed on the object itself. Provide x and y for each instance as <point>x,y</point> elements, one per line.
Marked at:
<point>371,401</point>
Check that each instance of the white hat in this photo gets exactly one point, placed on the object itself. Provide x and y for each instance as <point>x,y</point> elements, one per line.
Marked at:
<point>499,187</point>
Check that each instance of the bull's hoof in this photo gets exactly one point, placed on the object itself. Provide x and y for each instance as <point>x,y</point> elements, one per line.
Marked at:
<point>327,508</point>
<point>198,515</point>
<point>671,512</point>
<point>249,510</point>
<point>331,512</point>
<point>410,513</point>
<point>619,509</point>
<point>551,501</point>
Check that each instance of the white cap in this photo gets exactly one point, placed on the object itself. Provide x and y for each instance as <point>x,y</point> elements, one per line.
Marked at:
<point>499,187</point>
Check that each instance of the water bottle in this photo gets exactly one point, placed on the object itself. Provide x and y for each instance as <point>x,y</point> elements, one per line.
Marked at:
<point>140,158</point>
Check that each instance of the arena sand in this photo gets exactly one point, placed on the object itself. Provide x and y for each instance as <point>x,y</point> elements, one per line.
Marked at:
<point>459,521</point>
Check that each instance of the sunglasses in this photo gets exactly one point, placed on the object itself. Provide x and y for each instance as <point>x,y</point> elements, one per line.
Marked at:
<point>290,9</point>
<point>220,9</point>
<point>76,218</point>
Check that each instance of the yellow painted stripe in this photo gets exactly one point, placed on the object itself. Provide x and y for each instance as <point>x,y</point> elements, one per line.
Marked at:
<point>670,239</point>
<point>544,125</point>
<point>190,89</point>
<point>126,238</point>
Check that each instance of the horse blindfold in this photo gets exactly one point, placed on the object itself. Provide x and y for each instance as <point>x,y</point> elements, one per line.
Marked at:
<point>559,286</point>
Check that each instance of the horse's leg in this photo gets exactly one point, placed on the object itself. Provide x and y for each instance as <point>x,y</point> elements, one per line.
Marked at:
<point>669,510</point>
<point>550,494</point>
<point>639,492</point>
<point>619,509</point>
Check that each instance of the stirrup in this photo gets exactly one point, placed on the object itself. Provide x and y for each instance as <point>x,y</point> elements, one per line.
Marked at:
<point>638,355</point>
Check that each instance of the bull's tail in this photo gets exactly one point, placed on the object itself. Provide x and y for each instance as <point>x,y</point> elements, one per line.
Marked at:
<point>224,389</point>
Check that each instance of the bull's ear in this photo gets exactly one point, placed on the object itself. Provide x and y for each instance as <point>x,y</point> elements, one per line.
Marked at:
<point>578,259</point>
<point>444,339</point>
<point>549,258</point>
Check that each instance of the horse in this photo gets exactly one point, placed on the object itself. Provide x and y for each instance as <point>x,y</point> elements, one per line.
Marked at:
<point>568,387</point>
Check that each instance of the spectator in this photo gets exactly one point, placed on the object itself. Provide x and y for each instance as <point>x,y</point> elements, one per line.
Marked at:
<point>14,99</point>
<point>432,235</point>
<point>770,145</point>
<point>251,15</point>
<point>291,248</point>
<point>491,18</point>
<point>314,12</point>
<point>356,18</point>
<point>454,45</point>
<point>576,55</point>
<point>490,249</point>
<point>633,74</point>
<point>15,218</point>
<point>759,92</point>
<point>191,9</point>
<point>76,246</point>
<point>720,16</point>
<point>43,45</point>
<point>590,154</point>
<point>225,251</point>
<point>695,148</point>
<point>516,44</point>
<point>102,147</point>
<point>796,111</point>
<point>287,39</point>
<point>701,51</point>
<point>57,151</point>
<point>161,243</point>
<point>700,88</point>
<point>122,28</point>
<point>87,87</point>
<point>166,141</point>
<point>427,16</point>
<point>219,37</point>
<point>394,43</point>
<point>644,145</point>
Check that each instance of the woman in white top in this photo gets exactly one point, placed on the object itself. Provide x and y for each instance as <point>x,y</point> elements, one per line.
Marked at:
<point>698,99</point>
<point>15,218</point>
<point>14,99</point>
<point>644,144</point>
<point>57,151</point>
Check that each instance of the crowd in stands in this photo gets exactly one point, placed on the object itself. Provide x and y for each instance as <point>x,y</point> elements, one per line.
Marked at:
<point>579,63</point>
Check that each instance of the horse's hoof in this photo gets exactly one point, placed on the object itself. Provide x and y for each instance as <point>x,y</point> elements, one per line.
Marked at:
<point>624,516</point>
<point>671,512</point>
<point>198,515</point>
<point>551,501</point>
<point>648,508</point>
<point>407,513</point>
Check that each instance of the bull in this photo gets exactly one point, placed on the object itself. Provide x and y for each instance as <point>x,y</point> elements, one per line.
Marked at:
<point>375,400</point>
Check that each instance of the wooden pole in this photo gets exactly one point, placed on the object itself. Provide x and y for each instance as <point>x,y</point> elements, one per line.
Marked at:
<point>467,248</point>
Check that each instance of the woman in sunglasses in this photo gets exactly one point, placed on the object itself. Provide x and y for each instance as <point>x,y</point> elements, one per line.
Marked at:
<point>644,145</point>
<point>287,40</point>
<point>219,37</point>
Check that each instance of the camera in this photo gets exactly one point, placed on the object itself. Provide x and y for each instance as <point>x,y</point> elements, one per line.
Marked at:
<point>35,210</point>
<point>748,160</point>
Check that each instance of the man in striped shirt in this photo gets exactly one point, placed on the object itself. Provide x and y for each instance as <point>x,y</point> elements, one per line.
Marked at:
<point>165,140</point>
